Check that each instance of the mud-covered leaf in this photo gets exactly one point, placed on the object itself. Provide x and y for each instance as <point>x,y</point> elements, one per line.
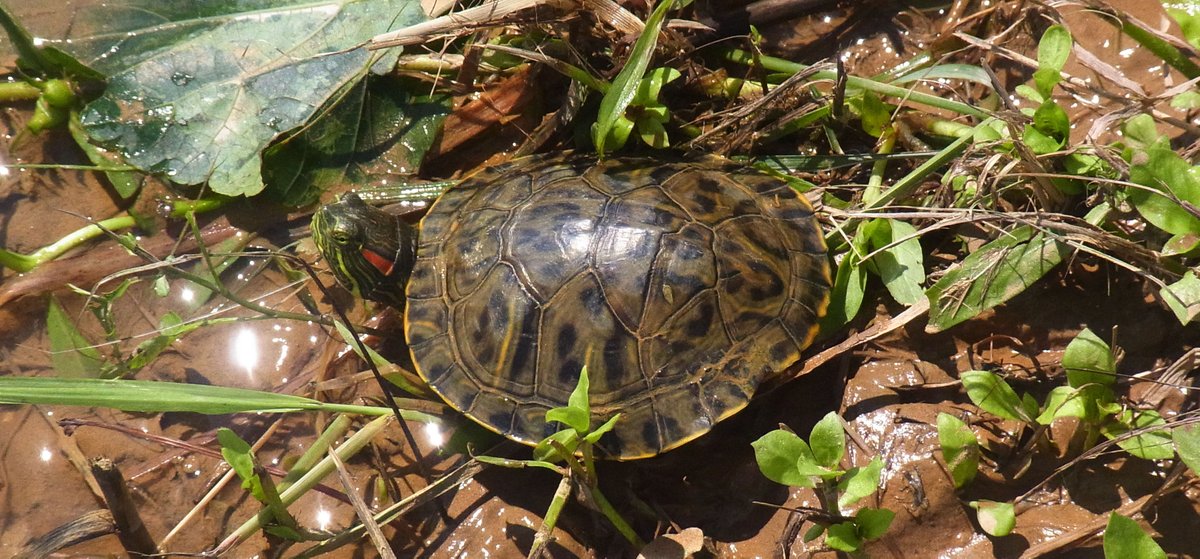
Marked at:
<point>1089,360</point>
<point>197,90</point>
<point>778,453</point>
<point>997,272</point>
<point>859,482</point>
<point>997,519</point>
<point>1154,444</point>
<point>1167,181</point>
<point>1124,539</point>
<point>70,352</point>
<point>1183,298</point>
<point>682,545</point>
<point>960,449</point>
<point>828,441</point>
<point>993,395</point>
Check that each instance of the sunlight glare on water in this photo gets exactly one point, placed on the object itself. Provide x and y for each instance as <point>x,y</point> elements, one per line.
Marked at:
<point>324,518</point>
<point>433,435</point>
<point>244,350</point>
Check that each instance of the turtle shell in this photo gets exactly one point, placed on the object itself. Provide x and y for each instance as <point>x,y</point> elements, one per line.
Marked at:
<point>680,285</point>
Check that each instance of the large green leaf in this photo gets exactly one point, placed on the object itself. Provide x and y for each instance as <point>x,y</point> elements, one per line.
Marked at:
<point>992,275</point>
<point>377,130</point>
<point>197,90</point>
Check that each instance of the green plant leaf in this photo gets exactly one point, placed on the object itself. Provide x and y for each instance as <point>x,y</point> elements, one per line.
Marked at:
<point>1053,49</point>
<point>843,537</point>
<point>378,128</point>
<point>859,482</point>
<point>1182,245</point>
<point>849,286</point>
<point>960,449</point>
<point>901,265</point>
<point>652,133</point>
<point>993,274</point>
<point>1089,360</point>
<point>997,519</point>
<point>1188,18</point>
<point>544,451</point>
<point>875,114</point>
<point>1050,129</point>
<point>577,413</point>
<point>1063,401</point>
<point>828,441</point>
<point>1155,444</point>
<point>778,453</point>
<point>993,395</point>
<point>1183,297</point>
<point>1166,177</point>
<point>197,90</point>
<point>873,523</point>
<point>1187,444</point>
<point>625,86</point>
<point>650,86</point>
<point>598,432</point>
<point>1141,132</point>
<point>152,396</point>
<point>813,533</point>
<point>238,455</point>
<point>1124,539</point>
<point>70,352</point>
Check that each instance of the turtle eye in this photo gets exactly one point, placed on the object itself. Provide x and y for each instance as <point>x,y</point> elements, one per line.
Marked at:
<point>343,235</point>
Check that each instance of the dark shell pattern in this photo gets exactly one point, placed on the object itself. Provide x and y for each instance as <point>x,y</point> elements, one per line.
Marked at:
<point>680,285</point>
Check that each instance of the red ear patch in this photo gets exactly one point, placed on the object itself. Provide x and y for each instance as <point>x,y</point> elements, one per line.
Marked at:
<point>384,265</point>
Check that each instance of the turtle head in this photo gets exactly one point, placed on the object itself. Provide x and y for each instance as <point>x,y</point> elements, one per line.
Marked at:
<point>370,251</point>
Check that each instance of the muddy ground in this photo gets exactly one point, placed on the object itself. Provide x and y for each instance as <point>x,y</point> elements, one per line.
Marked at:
<point>889,390</point>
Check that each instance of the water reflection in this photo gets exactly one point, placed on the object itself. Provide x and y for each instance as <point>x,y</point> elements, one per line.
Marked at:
<point>244,351</point>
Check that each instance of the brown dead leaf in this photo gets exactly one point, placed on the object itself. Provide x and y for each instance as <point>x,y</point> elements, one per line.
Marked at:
<point>674,546</point>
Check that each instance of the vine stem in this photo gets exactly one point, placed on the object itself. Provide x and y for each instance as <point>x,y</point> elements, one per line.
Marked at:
<point>18,91</point>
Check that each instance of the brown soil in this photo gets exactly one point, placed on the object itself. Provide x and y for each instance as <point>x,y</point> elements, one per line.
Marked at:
<point>889,390</point>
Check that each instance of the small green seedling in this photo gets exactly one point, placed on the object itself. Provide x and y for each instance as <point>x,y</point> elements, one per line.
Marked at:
<point>960,449</point>
<point>997,519</point>
<point>240,457</point>
<point>612,127</point>
<point>787,459</point>
<point>576,439</point>
<point>1089,396</point>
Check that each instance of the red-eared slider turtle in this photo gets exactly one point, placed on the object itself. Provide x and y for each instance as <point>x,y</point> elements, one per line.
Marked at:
<point>681,285</point>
